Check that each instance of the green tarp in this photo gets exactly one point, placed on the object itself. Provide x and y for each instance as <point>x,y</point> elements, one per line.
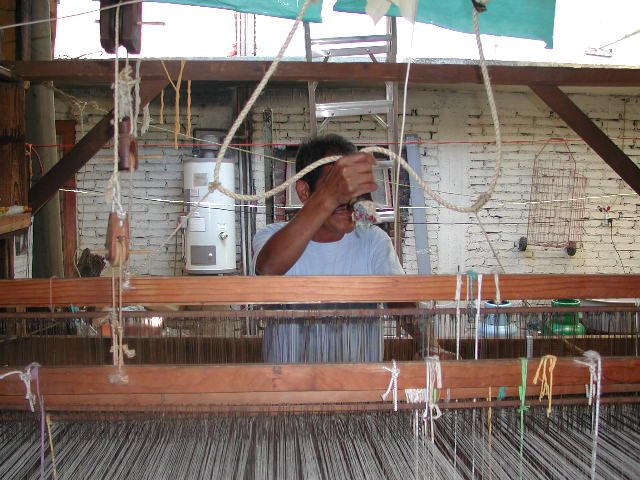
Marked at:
<point>532,19</point>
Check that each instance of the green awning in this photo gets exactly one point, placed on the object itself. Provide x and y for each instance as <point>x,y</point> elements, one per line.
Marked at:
<point>531,19</point>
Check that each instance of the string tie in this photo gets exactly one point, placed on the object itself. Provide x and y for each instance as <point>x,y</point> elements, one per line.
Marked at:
<point>522,391</point>
<point>433,382</point>
<point>545,373</point>
<point>393,384</point>
<point>30,372</point>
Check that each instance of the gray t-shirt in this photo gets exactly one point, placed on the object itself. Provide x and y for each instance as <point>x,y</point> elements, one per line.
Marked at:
<point>365,251</point>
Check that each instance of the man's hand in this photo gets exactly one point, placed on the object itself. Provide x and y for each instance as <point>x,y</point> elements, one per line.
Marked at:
<point>350,177</point>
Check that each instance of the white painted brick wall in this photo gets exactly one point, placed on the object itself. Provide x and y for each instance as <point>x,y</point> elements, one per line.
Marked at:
<point>159,176</point>
<point>523,118</point>
<point>455,240</point>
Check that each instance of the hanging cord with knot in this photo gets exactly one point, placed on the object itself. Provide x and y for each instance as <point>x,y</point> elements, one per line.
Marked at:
<point>433,382</point>
<point>593,360</point>
<point>30,372</point>
<point>545,374</point>
<point>216,185</point>
<point>393,384</point>
<point>522,392</point>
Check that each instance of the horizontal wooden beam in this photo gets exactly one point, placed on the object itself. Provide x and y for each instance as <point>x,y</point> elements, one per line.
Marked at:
<point>590,133</point>
<point>87,72</point>
<point>81,153</point>
<point>72,388</point>
<point>270,290</point>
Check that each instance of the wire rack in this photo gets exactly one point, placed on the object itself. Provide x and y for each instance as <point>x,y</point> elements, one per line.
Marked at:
<point>557,204</point>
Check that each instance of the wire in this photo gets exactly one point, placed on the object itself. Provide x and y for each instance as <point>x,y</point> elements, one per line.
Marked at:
<point>613,244</point>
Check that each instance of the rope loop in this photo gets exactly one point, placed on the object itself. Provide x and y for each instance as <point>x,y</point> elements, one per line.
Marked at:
<point>393,384</point>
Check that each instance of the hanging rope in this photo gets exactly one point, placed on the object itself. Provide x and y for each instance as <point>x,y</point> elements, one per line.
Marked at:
<point>458,319</point>
<point>593,360</point>
<point>393,384</point>
<point>216,185</point>
<point>477,319</point>
<point>30,372</point>
<point>433,383</point>
<point>176,88</point>
<point>545,374</point>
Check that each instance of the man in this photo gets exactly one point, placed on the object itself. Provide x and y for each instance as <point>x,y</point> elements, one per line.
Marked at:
<point>322,239</point>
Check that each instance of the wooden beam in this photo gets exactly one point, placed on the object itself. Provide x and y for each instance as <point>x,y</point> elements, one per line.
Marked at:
<point>590,133</point>
<point>86,148</point>
<point>282,289</point>
<point>72,388</point>
<point>87,72</point>
<point>66,131</point>
<point>14,223</point>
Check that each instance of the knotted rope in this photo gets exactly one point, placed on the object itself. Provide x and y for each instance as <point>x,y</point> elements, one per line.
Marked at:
<point>393,384</point>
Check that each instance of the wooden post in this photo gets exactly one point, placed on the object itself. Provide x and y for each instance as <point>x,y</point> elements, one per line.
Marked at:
<point>66,131</point>
<point>14,180</point>
<point>47,230</point>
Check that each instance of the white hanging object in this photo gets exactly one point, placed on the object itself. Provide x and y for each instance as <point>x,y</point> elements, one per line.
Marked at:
<point>376,9</point>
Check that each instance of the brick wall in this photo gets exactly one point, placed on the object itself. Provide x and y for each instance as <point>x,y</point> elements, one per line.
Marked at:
<point>457,159</point>
<point>159,177</point>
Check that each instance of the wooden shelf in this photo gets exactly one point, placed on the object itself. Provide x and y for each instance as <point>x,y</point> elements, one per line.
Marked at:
<point>14,223</point>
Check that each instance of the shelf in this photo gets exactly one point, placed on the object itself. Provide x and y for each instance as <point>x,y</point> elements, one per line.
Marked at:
<point>14,223</point>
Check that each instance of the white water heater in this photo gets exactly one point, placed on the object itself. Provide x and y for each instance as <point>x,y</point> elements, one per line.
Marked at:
<point>210,235</point>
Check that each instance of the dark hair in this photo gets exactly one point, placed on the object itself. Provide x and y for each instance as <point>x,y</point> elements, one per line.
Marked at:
<point>316,148</point>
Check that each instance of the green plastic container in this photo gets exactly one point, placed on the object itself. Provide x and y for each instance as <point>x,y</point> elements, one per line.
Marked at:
<point>565,324</point>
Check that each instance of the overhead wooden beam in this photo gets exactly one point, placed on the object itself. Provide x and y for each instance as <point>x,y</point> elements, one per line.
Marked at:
<point>87,72</point>
<point>575,118</point>
<point>72,388</point>
<point>268,289</point>
<point>86,148</point>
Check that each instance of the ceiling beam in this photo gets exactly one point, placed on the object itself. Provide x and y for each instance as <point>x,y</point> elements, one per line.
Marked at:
<point>90,72</point>
<point>85,149</point>
<point>575,118</point>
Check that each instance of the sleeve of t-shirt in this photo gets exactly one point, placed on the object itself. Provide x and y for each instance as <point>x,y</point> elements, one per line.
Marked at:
<point>384,258</point>
<point>261,237</point>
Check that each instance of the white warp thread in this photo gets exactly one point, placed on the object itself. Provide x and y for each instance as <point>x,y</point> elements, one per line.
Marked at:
<point>433,381</point>
<point>594,362</point>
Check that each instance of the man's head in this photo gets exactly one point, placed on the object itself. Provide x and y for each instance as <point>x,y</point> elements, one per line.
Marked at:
<point>316,148</point>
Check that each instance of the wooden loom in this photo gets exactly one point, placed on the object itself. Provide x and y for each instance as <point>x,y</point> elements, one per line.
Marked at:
<point>306,387</point>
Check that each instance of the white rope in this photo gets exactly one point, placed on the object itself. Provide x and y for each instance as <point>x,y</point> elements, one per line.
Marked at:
<point>433,382</point>
<point>594,362</point>
<point>458,320</point>
<point>216,185</point>
<point>136,93</point>
<point>112,192</point>
<point>25,377</point>
<point>474,207</point>
<point>477,320</point>
<point>393,384</point>
<point>496,280</point>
